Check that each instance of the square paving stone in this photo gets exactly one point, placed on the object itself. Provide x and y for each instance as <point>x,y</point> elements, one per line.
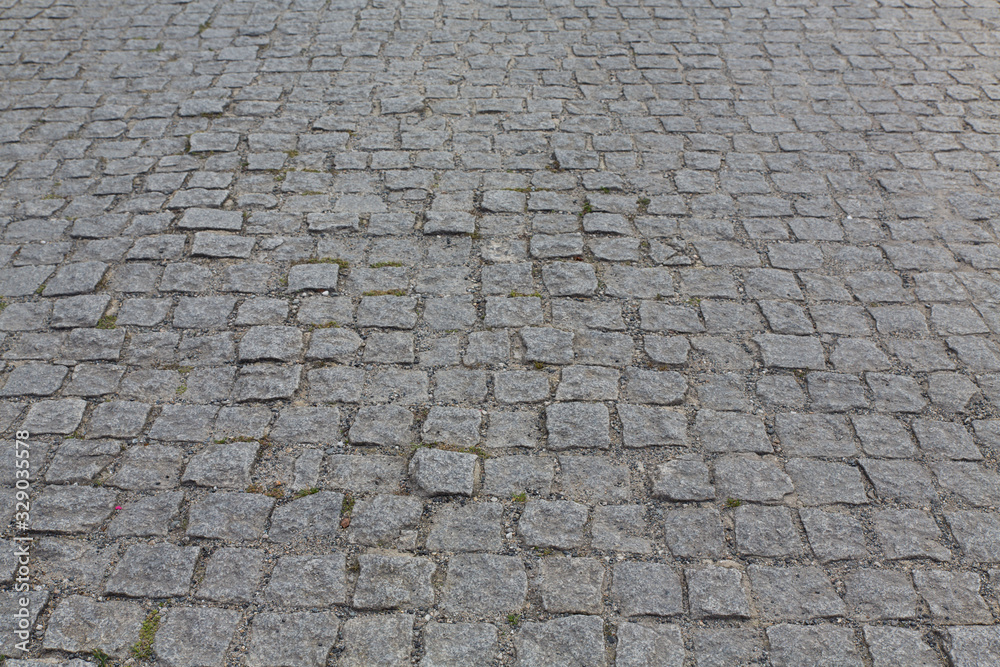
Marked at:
<point>377,640</point>
<point>978,533</point>
<point>835,392</point>
<point>726,647</point>
<point>207,312</point>
<point>80,461</point>
<point>593,479</point>
<point>71,509</point>
<point>307,424</point>
<point>148,468</point>
<point>945,440</point>
<point>75,278</point>
<point>451,425</point>
<point>368,473</point>
<point>70,561</point>
<point>583,425</point>
<point>953,597</point>
<point>59,416</point>
<point>892,646</point>
<point>880,595</point>
<point>658,387</point>
<point>833,536</point>
<point>717,592</point>
<point>382,425</point>
<point>750,477</point>
<point>118,419</point>
<point>766,531</point>
<point>694,532</point>
<point>484,585</point>
<point>642,589</point>
<point>301,639</point>
<point>226,465</point>
<point>883,436</point>
<point>645,426</point>
<point>508,476</point>
<point>572,585</point>
<point>556,524</point>
<point>153,571</point>
<point>336,344</point>
<point>814,435</point>
<point>682,478</point>
<point>791,351</point>
<point>184,423</point>
<point>147,517</point>
<point>909,534</point>
<point>731,432</point>
<point>380,520</point>
<point>794,593</point>
<point>308,581</point>
<point>315,515</point>
<point>271,343</point>
<point>214,629</point>
<point>459,644</point>
<point>393,582</point>
<point>813,646</point>
<point>437,472</point>
<point>473,527</point>
<point>640,645</point>
<point>973,647</point>
<point>265,382</point>
<point>904,481</point>
<point>571,640</point>
<point>824,483</point>
<point>620,528</point>
<point>970,481</point>
<point>230,516</point>
<point>81,624</point>
<point>588,383</point>
<point>34,379</point>
<point>232,575</point>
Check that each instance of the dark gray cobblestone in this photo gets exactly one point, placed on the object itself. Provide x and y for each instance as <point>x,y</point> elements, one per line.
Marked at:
<point>502,333</point>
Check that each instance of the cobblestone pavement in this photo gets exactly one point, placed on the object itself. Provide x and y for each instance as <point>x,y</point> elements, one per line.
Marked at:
<point>487,332</point>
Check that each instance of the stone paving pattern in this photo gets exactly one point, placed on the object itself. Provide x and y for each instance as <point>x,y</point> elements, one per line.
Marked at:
<point>503,332</point>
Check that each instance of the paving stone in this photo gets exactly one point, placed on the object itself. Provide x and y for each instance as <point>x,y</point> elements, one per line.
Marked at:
<point>683,478</point>
<point>230,516</point>
<point>814,435</point>
<point>82,624</point>
<point>457,426</point>
<point>264,382</point>
<point>147,517</point>
<point>368,473</point>
<point>794,593</point>
<point>731,432</point>
<point>833,536</point>
<point>305,424</point>
<point>232,575</point>
<point>393,582</point>
<point>878,595</point>
<point>646,589</point>
<point>458,644</point>
<point>883,436</point>
<point>156,571</point>
<point>484,584</point>
<point>968,646</point>
<point>909,534</point>
<point>507,476</point>
<point>593,478</point>
<point>215,629</point>
<point>225,465</point>
<point>290,639</point>
<point>899,646</point>
<point>556,524</point>
<point>717,592</point>
<point>835,392</point>
<point>572,585</point>
<point>474,527</point>
<point>578,425</point>
<point>766,532</point>
<point>750,477</point>
<point>148,467</point>
<point>80,461</point>
<point>953,597</point>
<point>382,425</point>
<point>308,581</point>
<point>314,515</point>
<point>906,481</point>
<point>978,533</point>
<point>823,482</point>
<point>813,645</point>
<point>58,416</point>
<point>694,532</point>
<point>71,509</point>
<point>379,521</point>
<point>648,426</point>
<point>440,472</point>
<point>723,647</point>
<point>576,640</point>
<point>945,440</point>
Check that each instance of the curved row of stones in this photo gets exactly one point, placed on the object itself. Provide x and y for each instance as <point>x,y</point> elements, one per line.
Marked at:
<point>454,332</point>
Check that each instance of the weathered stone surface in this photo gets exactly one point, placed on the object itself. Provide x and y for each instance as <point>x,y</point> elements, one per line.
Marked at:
<point>484,584</point>
<point>213,627</point>
<point>292,639</point>
<point>393,582</point>
<point>575,640</point>
<point>157,571</point>
<point>82,624</point>
<point>308,581</point>
<point>458,644</point>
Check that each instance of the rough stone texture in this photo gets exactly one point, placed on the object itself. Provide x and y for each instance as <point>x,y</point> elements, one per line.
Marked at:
<point>571,640</point>
<point>81,624</point>
<point>156,571</point>
<point>707,286</point>
<point>214,629</point>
